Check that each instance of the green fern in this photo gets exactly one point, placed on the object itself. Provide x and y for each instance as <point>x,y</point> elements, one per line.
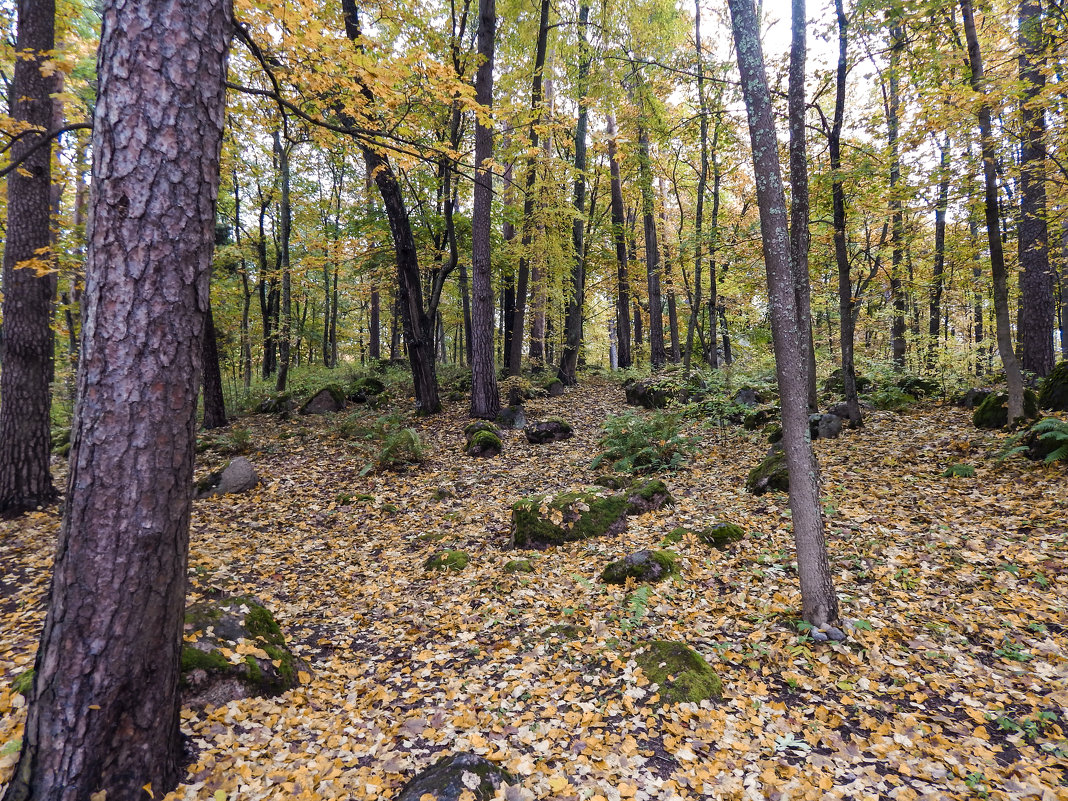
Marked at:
<point>634,443</point>
<point>1048,429</point>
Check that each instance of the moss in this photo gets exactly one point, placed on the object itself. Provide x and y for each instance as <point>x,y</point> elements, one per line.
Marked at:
<point>675,536</point>
<point>389,508</point>
<point>447,560</point>
<point>287,668</point>
<point>681,674</point>
<point>770,474</point>
<point>647,496</point>
<point>209,661</point>
<point>569,517</point>
<point>993,412</point>
<point>435,537</point>
<point>261,623</point>
<point>366,385</point>
<point>519,566</point>
<point>613,482</point>
<point>1054,390</point>
<point>23,683</point>
<point>645,566</point>
<point>721,535</point>
<point>485,440</point>
<point>564,631</point>
<point>758,417</point>
<point>473,428</point>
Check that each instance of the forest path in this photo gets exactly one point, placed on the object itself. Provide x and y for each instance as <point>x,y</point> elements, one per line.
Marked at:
<point>954,683</point>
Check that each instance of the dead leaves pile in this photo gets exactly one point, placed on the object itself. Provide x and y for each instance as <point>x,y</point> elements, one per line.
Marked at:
<point>953,683</point>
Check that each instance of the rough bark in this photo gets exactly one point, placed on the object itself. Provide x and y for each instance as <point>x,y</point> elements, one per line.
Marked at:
<point>619,236</point>
<point>26,347</point>
<point>893,115</point>
<point>1036,277</point>
<point>1013,376</point>
<point>846,302</point>
<point>103,711</point>
<point>799,205</point>
<point>818,600</point>
<point>214,403</point>
<point>657,352</point>
<point>485,396</point>
<point>702,182</point>
<point>573,313</point>
<point>285,214</point>
<point>934,315</point>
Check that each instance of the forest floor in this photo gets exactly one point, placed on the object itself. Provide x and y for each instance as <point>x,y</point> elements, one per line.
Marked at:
<point>953,683</point>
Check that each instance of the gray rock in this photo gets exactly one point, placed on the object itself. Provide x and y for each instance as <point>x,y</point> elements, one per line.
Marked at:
<point>325,401</point>
<point>512,417</point>
<point>747,397</point>
<point>552,430</point>
<point>447,779</point>
<point>238,476</point>
<point>645,566</point>
<point>824,426</point>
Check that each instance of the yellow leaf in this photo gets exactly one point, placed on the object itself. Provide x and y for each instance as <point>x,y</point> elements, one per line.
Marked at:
<point>220,795</point>
<point>558,784</point>
<point>303,676</point>
<point>148,789</point>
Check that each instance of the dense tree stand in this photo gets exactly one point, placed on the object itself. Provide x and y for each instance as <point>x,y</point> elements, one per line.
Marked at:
<point>103,711</point>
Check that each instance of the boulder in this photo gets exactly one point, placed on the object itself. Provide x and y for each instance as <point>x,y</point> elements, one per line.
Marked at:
<point>747,396</point>
<point>552,430</point>
<point>993,412</point>
<point>681,674</point>
<point>973,397</point>
<point>363,388</point>
<point>647,497</point>
<point>655,393</point>
<point>770,474</point>
<point>238,476</point>
<point>447,560</point>
<point>919,387</point>
<point>326,401</point>
<point>644,566</point>
<point>824,426</point>
<point>543,520</point>
<point>483,439</point>
<point>1053,393</point>
<point>512,417</point>
<point>281,403</point>
<point>519,566</point>
<point>613,482</point>
<point>759,417</point>
<point>554,387</point>
<point>458,776</point>
<point>833,383</point>
<point>718,536</point>
<point>234,649</point>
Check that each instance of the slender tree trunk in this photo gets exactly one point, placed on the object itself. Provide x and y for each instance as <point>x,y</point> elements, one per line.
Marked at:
<point>715,308</point>
<point>846,303</point>
<point>728,357</point>
<point>1064,289</point>
<point>938,270</point>
<point>26,347</point>
<point>573,312</point>
<point>897,329</point>
<point>702,181</point>
<point>799,233</point>
<point>619,236</point>
<point>104,708</point>
<point>818,600</point>
<point>657,353</point>
<point>1036,278</point>
<point>285,331</point>
<point>214,403</point>
<point>1013,376</point>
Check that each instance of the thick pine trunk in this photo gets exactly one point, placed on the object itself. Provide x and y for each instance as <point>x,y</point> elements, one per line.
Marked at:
<point>1036,277</point>
<point>485,396</point>
<point>819,604</point>
<point>26,347</point>
<point>103,711</point>
<point>1013,376</point>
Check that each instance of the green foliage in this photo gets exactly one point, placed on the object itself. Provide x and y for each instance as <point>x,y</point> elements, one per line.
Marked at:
<point>400,448</point>
<point>890,398</point>
<point>959,471</point>
<point>682,674</point>
<point>570,517</point>
<point>637,606</point>
<point>635,443</point>
<point>994,412</point>
<point>447,560</point>
<point>1054,390</point>
<point>1050,431</point>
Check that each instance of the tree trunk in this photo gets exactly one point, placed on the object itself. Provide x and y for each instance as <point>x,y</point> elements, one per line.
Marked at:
<point>702,181</point>
<point>285,330</point>
<point>214,403</point>
<point>103,711</point>
<point>799,233</point>
<point>573,313</point>
<point>1036,279</point>
<point>620,238</point>
<point>515,360</point>
<point>26,346</point>
<point>846,303</point>
<point>818,600</point>
<point>893,113</point>
<point>657,353</point>
<point>938,271</point>
<point>1064,289</point>
<point>1013,376</point>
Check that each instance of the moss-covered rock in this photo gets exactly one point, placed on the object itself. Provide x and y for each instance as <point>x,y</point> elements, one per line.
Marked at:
<point>484,444</point>
<point>451,777</point>
<point>519,566</point>
<point>656,392</point>
<point>760,417</point>
<point>327,400</point>
<point>361,389</point>
<point>993,412</point>
<point>681,674</point>
<point>211,674</point>
<point>476,426</point>
<point>564,631</point>
<point>770,475</point>
<point>614,482</point>
<point>23,683</point>
<point>835,384</point>
<point>512,417</point>
<point>918,386</point>
<point>718,536</point>
<point>554,387</point>
<point>644,566</point>
<point>544,520</point>
<point>553,429</point>
<point>648,496</point>
<point>773,431</point>
<point>281,403</point>
<point>1053,393</point>
<point>447,560</point>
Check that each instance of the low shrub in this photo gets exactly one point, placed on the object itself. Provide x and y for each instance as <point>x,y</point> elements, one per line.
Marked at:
<point>634,443</point>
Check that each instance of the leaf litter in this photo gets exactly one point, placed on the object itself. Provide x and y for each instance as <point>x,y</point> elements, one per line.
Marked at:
<point>953,683</point>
